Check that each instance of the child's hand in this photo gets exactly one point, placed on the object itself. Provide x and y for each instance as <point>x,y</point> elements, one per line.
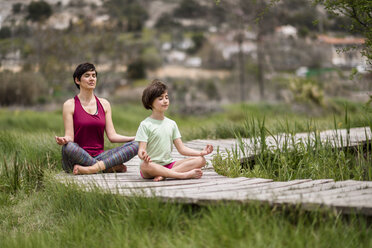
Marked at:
<point>144,156</point>
<point>207,150</point>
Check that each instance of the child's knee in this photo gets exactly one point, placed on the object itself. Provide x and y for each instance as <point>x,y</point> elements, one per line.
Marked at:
<point>145,166</point>
<point>201,161</point>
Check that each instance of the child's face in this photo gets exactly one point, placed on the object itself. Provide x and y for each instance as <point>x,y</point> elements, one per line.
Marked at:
<point>161,103</point>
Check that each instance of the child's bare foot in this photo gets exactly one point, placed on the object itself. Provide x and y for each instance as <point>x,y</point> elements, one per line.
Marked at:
<point>159,178</point>
<point>195,174</point>
<point>117,168</point>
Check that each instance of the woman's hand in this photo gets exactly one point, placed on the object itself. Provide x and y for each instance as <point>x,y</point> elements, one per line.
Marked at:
<point>62,140</point>
<point>207,150</point>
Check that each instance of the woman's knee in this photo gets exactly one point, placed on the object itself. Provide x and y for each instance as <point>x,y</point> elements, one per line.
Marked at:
<point>69,148</point>
<point>135,146</point>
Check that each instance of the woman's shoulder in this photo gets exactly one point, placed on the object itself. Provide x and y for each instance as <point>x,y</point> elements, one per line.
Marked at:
<point>69,105</point>
<point>105,103</point>
<point>103,100</point>
<point>69,102</point>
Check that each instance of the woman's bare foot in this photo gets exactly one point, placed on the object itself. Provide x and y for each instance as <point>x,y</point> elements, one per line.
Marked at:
<point>195,174</point>
<point>159,178</point>
<point>117,168</point>
<point>78,169</point>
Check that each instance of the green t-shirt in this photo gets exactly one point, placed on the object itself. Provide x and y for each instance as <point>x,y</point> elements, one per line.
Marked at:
<point>159,135</point>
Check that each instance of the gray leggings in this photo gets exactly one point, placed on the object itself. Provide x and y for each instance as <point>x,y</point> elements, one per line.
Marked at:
<point>73,154</point>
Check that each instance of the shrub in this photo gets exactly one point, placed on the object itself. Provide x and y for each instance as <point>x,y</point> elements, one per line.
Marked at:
<point>16,8</point>
<point>189,9</point>
<point>151,58</point>
<point>38,11</point>
<point>136,70</point>
<point>198,40</point>
<point>166,22</point>
<point>307,91</point>
<point>24,88</point>
<point>5,32</point>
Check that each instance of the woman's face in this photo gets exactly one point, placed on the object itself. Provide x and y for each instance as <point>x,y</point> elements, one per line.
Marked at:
<point>88,80</point>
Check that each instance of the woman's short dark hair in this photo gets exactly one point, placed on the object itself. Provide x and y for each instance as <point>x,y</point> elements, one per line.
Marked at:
<point>154,90</point>
<point>81,69</point>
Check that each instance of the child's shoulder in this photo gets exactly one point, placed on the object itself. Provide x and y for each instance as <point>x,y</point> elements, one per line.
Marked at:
<point>146,120</point>
<point>170,120</point>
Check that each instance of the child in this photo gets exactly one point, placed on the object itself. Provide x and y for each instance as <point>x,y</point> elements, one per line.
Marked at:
<point>157,133</point>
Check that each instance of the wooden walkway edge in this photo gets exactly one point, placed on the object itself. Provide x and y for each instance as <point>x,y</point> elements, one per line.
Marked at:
<point>345,196</point>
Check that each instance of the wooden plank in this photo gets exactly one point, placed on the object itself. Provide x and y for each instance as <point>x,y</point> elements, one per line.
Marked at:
<point>205,188</point>
<point>162,191</point>
<point>221,195</point>
<point>361,200</point>
<point>150,183</point>
<point>280,192</point>
<point>181,183</point>
<point>345,196</point>
<point>201,192</point>
<point>242,190</point>
<point>327,192</point>
<point>242,187</point>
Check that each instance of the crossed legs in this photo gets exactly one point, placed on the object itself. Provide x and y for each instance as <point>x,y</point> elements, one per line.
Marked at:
<point>182,169</point>
<point>77,160</point>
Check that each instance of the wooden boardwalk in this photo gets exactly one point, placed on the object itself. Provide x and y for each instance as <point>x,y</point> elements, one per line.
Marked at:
<point>346,196</point>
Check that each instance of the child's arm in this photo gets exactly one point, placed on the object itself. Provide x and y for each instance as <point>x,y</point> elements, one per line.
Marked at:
<point>183,150</point>
<point>142,154</point>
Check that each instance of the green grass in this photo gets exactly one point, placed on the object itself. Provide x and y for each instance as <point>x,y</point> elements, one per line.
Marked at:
<point>291,159</point>
<point>36,211</point>
<point>225,124</point>
<point>300,161</point>
<point>64,216</point>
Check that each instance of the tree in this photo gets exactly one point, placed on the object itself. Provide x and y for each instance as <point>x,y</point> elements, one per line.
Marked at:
<point>16,8</point>
<point>189,9</point>
<point>249,14</point>
<point>360,12</point>
<point>166,22</point>
<point>130,14</point>
<point>5,32</point>
<point>39,11</point>
<point>198,40</point>
<point>136,70</point>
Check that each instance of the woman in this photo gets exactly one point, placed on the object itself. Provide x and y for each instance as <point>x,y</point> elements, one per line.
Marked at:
<point>86,118</point>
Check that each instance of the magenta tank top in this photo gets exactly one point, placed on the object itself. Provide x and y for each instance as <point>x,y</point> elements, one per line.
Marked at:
<point>89,129</point>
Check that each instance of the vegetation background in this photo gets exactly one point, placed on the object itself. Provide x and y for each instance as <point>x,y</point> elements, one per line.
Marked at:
<point>229,75</point>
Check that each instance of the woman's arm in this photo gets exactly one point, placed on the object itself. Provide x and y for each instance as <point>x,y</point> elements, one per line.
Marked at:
<point>68,121</point>
<point>183,150</point>
<point>110,130</point>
